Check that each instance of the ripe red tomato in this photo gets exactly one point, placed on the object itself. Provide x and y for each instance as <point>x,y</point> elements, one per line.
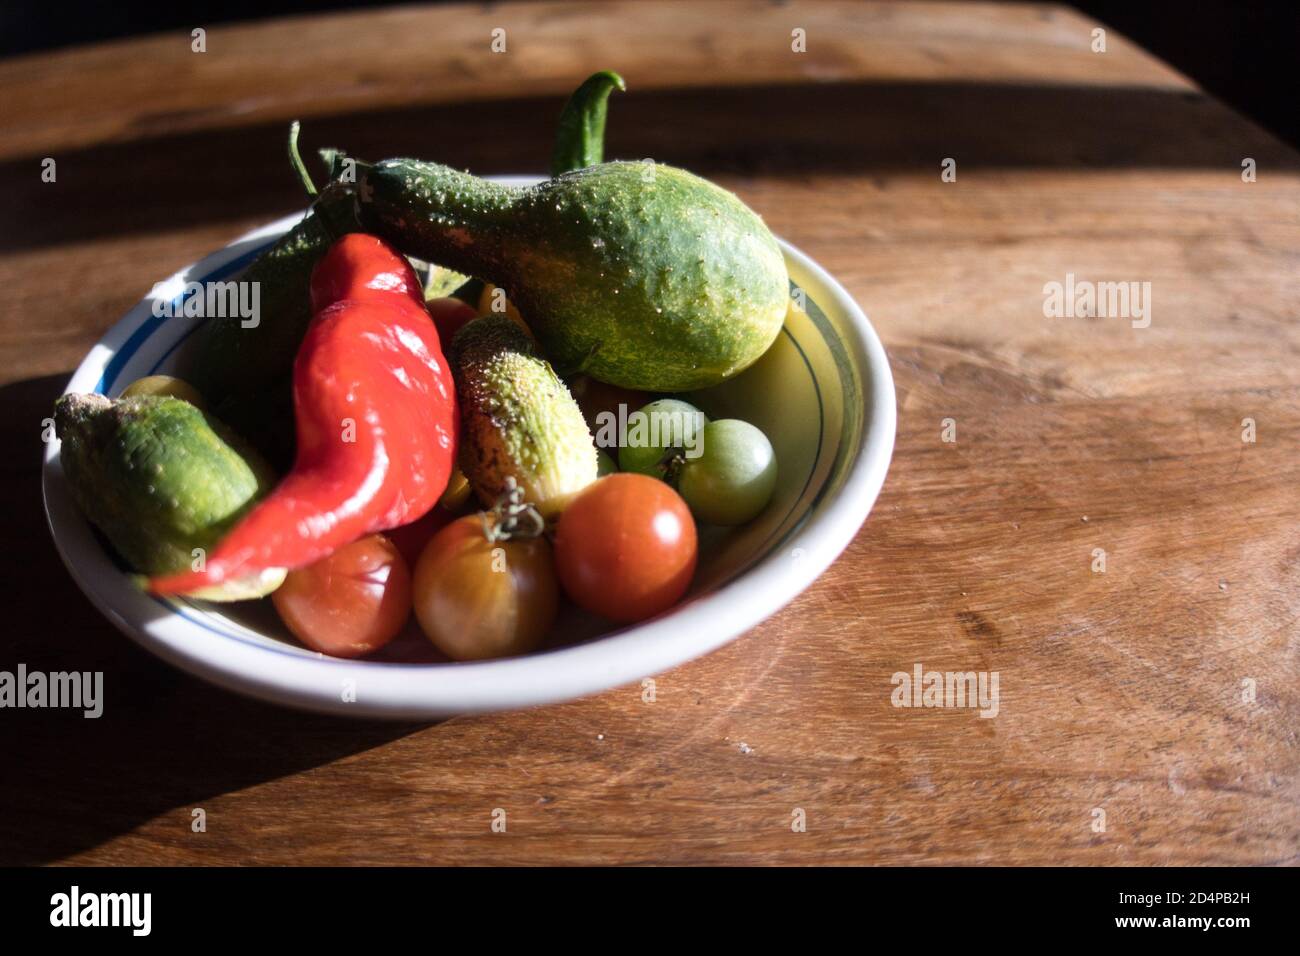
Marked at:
<point>625,548</point>
<point>351,603</point>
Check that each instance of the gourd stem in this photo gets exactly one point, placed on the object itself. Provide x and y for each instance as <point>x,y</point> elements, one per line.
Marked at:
<point>295,159</point>
<point>580,141</point>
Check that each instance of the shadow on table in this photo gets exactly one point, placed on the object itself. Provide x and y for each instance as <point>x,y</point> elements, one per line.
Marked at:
<point>165,740</point>
<point>173,181</point>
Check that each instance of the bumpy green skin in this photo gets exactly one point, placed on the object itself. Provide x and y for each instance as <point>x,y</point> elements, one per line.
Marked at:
<point>517,419</point>
<point>639,275</point>
<point>156,475</point>
<point>228,359</point>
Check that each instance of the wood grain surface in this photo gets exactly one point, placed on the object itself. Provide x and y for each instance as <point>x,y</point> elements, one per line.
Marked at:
<point>1163,693</point>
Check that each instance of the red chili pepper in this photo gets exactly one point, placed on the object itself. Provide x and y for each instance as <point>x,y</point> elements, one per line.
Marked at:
<point>376,417</point>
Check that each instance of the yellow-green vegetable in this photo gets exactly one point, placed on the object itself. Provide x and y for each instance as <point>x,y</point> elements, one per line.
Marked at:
<point>162,480</point>
<point>518,419</point>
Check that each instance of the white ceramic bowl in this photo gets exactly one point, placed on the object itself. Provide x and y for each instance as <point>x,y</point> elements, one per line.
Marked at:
<point>823,394</point>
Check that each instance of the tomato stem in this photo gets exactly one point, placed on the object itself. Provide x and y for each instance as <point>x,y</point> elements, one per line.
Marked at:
<point>673,462</point>
<point>511,516</point>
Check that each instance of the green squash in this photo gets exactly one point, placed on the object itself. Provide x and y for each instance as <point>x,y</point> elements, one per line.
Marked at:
<point>160,479</point>
<point>640,275</point>
<point>230,357</point>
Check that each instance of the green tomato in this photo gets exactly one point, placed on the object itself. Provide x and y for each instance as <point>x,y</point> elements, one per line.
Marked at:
<point>660,428</point>
<point>733,478</point>
<point>605,465</point>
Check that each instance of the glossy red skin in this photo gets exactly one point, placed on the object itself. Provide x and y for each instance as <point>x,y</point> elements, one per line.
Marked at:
<point>350,603</point>
<point>361,266</point>
<point>626,547</point>
<point>371,357</point>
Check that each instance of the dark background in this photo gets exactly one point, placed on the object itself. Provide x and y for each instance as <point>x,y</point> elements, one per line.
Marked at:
<point>1243,52</point>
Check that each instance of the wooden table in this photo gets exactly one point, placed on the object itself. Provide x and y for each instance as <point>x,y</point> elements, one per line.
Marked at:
<point>1161,696</point>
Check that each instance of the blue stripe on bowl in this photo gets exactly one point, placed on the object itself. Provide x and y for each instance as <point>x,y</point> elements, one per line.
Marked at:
<point>768,547</point>
<point>113,369</point>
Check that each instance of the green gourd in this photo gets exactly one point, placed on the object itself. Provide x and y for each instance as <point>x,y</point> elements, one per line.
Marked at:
<point>160,479</point>
<point>232,355</point>
<point>640,275</point>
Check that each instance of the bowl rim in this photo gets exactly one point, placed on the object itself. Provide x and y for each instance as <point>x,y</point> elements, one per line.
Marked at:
<point>420,690</point>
